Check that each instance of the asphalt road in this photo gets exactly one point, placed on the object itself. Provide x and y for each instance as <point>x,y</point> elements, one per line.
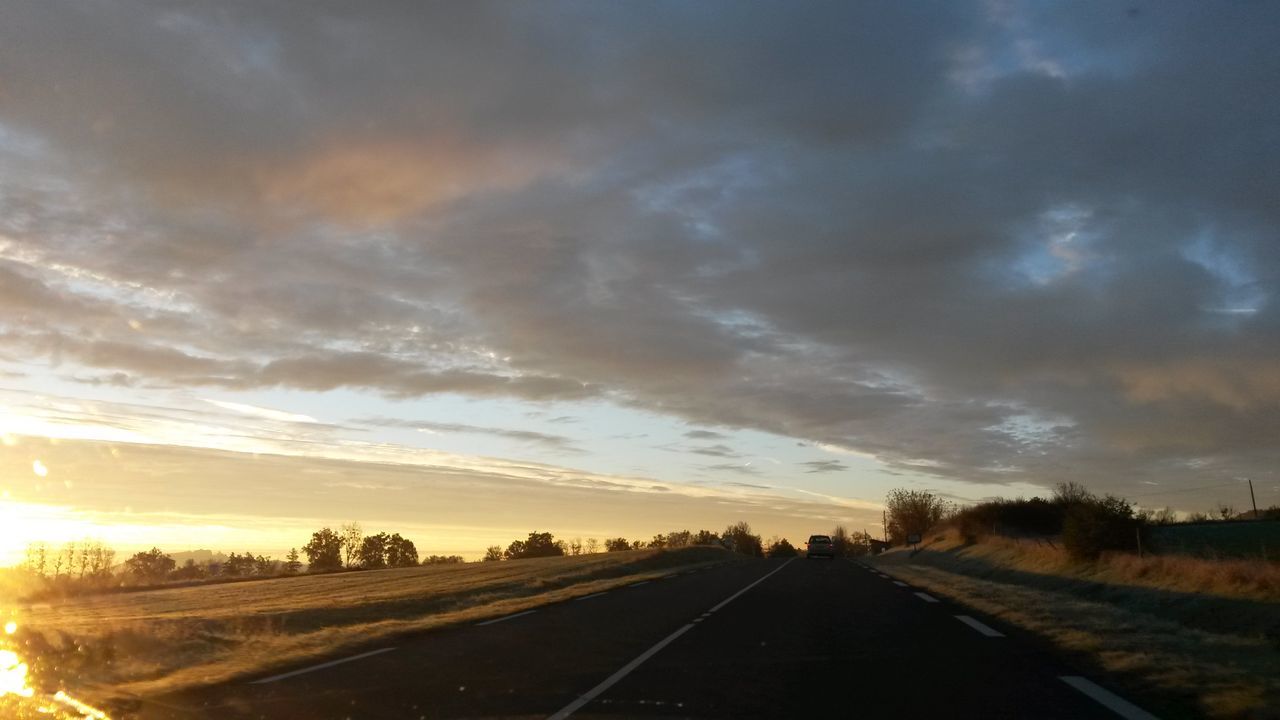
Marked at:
<point>769,639</point>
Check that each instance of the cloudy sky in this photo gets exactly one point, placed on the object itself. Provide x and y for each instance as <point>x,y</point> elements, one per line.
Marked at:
<point>473,269</point>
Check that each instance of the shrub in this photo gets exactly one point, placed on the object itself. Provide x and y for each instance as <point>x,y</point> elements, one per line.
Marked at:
<point>1093,526</point>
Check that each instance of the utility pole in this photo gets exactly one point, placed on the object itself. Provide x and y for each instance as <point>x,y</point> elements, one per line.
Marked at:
<point>884,523</point>
<point>1253,500</point>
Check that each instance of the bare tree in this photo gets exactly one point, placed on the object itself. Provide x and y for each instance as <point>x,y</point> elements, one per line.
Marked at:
<point>352,539</point>
<point>593,546</point>
<point>575,546</point>
<point>37,558</point>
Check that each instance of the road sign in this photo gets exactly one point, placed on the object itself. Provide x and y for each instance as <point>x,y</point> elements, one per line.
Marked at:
<point>913,539</point>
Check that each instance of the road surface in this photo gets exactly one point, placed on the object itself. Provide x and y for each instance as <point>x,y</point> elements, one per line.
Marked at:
<point>771,639</point>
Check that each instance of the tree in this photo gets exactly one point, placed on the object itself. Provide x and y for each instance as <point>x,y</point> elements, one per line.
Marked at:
<point>149,566</point>
<point>352,539</point>
<point>401,552</point>
<point>493,553</point>
<point>616,545</point>
<point>1101,524</point>
<point>659,541</point>
<point>912,512</point>
<point>189,571</point>
<point>1071,493</point>
<point>593,546</point>
<point>537,545</point>
<point>780,548</point>
<point>742,541</point>
<point>840,541</point>
<point>264,566</point>
<point>679,538</point>
<point>324,551</point>
<point>292,565</point>
<point>373,552</point>
<point>37,558</point>
<point>706,537</point>
<point>443,560</point>
<point>575,546</point>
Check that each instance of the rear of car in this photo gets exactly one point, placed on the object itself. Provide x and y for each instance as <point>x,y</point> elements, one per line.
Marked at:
<point>820,546</point>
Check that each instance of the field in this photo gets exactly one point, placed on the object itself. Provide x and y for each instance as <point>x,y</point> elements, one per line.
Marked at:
<point>1258,539</point>
<point>1203,635</point>
<point>169,638</point>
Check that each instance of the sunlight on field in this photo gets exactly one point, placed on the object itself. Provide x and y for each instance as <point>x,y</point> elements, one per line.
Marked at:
<point>19,699</point>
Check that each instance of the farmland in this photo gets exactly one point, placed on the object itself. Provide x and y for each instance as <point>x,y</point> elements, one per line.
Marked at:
<point>171,638</point>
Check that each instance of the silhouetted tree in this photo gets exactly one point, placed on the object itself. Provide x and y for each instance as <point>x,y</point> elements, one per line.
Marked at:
<point>352,538</point>
<point>493,553</point>
<point>742,541</point>
<point>189,571</point>
<point>912,512</point>
<point>538,545</point>
<point>324,551</point>
<point>840,541</point>
<point>706,537</point>
<point>781,548</point>
<point>658,541</point>
<point>575,546</point>
<point>151,565</point>
<point>679,538</point>
<point>373,552</point>
<point>593,546</point>
<point>401,552</point>
<point>264,566</point>
<point>292,565</point>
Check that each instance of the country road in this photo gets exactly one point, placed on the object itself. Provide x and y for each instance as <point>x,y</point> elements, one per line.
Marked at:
<point>777,639</point>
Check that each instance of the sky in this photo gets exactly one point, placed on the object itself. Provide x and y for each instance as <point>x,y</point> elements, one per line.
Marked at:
<point>468,270</point>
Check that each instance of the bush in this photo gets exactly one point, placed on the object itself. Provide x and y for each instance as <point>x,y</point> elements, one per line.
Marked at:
<point>1099,524</point>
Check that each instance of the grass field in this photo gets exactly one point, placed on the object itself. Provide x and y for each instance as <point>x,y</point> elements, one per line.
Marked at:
<point>167,639</point>
<point>1202,636</point>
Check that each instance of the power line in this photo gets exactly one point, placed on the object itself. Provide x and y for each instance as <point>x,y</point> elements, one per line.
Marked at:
<point>1189,490</point>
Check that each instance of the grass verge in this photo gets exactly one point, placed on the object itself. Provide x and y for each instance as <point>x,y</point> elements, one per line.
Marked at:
<point>169,639</point>
<point>1197,645</point>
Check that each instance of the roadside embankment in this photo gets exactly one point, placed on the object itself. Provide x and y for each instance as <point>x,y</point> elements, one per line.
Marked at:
<point>1205,633</point>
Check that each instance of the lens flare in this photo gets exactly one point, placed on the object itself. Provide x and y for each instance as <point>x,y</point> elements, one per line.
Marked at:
<point>13,675</point>
<point>40,469</point>
<point>10,627</point>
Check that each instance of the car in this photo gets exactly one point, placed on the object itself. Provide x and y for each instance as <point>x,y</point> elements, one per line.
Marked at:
<point>820,546</point>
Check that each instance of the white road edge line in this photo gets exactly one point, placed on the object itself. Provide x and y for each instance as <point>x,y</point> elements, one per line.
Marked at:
<point>642,582</point>
<point>979,626</point>
<point>505,618</point>
<point>625,670</point>
<point>899,583</point>
<point>1106,698</point>
<point>321,666</point>
<point>926,597</point>
<point>734,596</point>
<point>588,597</point>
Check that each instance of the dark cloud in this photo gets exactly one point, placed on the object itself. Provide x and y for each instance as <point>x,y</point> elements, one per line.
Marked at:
<point>559,443</point>
<point>723,451</point>
<point>705,435</point>
<point>824,466</point>
<point>985,241</point>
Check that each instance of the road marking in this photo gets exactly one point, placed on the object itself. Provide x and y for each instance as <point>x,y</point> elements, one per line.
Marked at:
<point>899,583</point>
<point>1107,699</point>
<point>642,582</point>
<point>506,618</point>
<point>625,670</point>
<point>610,681</point>
<point>321,666</point>
<point>926,597</point>
<point>979,626</point>
<point>734,596</point>
<point>588,597</point>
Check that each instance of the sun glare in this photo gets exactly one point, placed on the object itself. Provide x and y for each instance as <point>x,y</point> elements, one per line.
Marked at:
<point>39,469</point>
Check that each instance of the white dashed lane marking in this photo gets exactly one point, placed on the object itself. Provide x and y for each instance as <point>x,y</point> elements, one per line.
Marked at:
<point>1107,699</point>
<point>321,666</point>
<point>926,597</point>
<point>979,626</point>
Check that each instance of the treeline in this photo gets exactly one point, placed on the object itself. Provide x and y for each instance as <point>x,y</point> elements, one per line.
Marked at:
<point>737,537</point>
<point>1088,524</point>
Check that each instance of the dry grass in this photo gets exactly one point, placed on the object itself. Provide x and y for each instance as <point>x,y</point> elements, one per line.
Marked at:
<point>168,639</point>
<point>1196,637</point>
